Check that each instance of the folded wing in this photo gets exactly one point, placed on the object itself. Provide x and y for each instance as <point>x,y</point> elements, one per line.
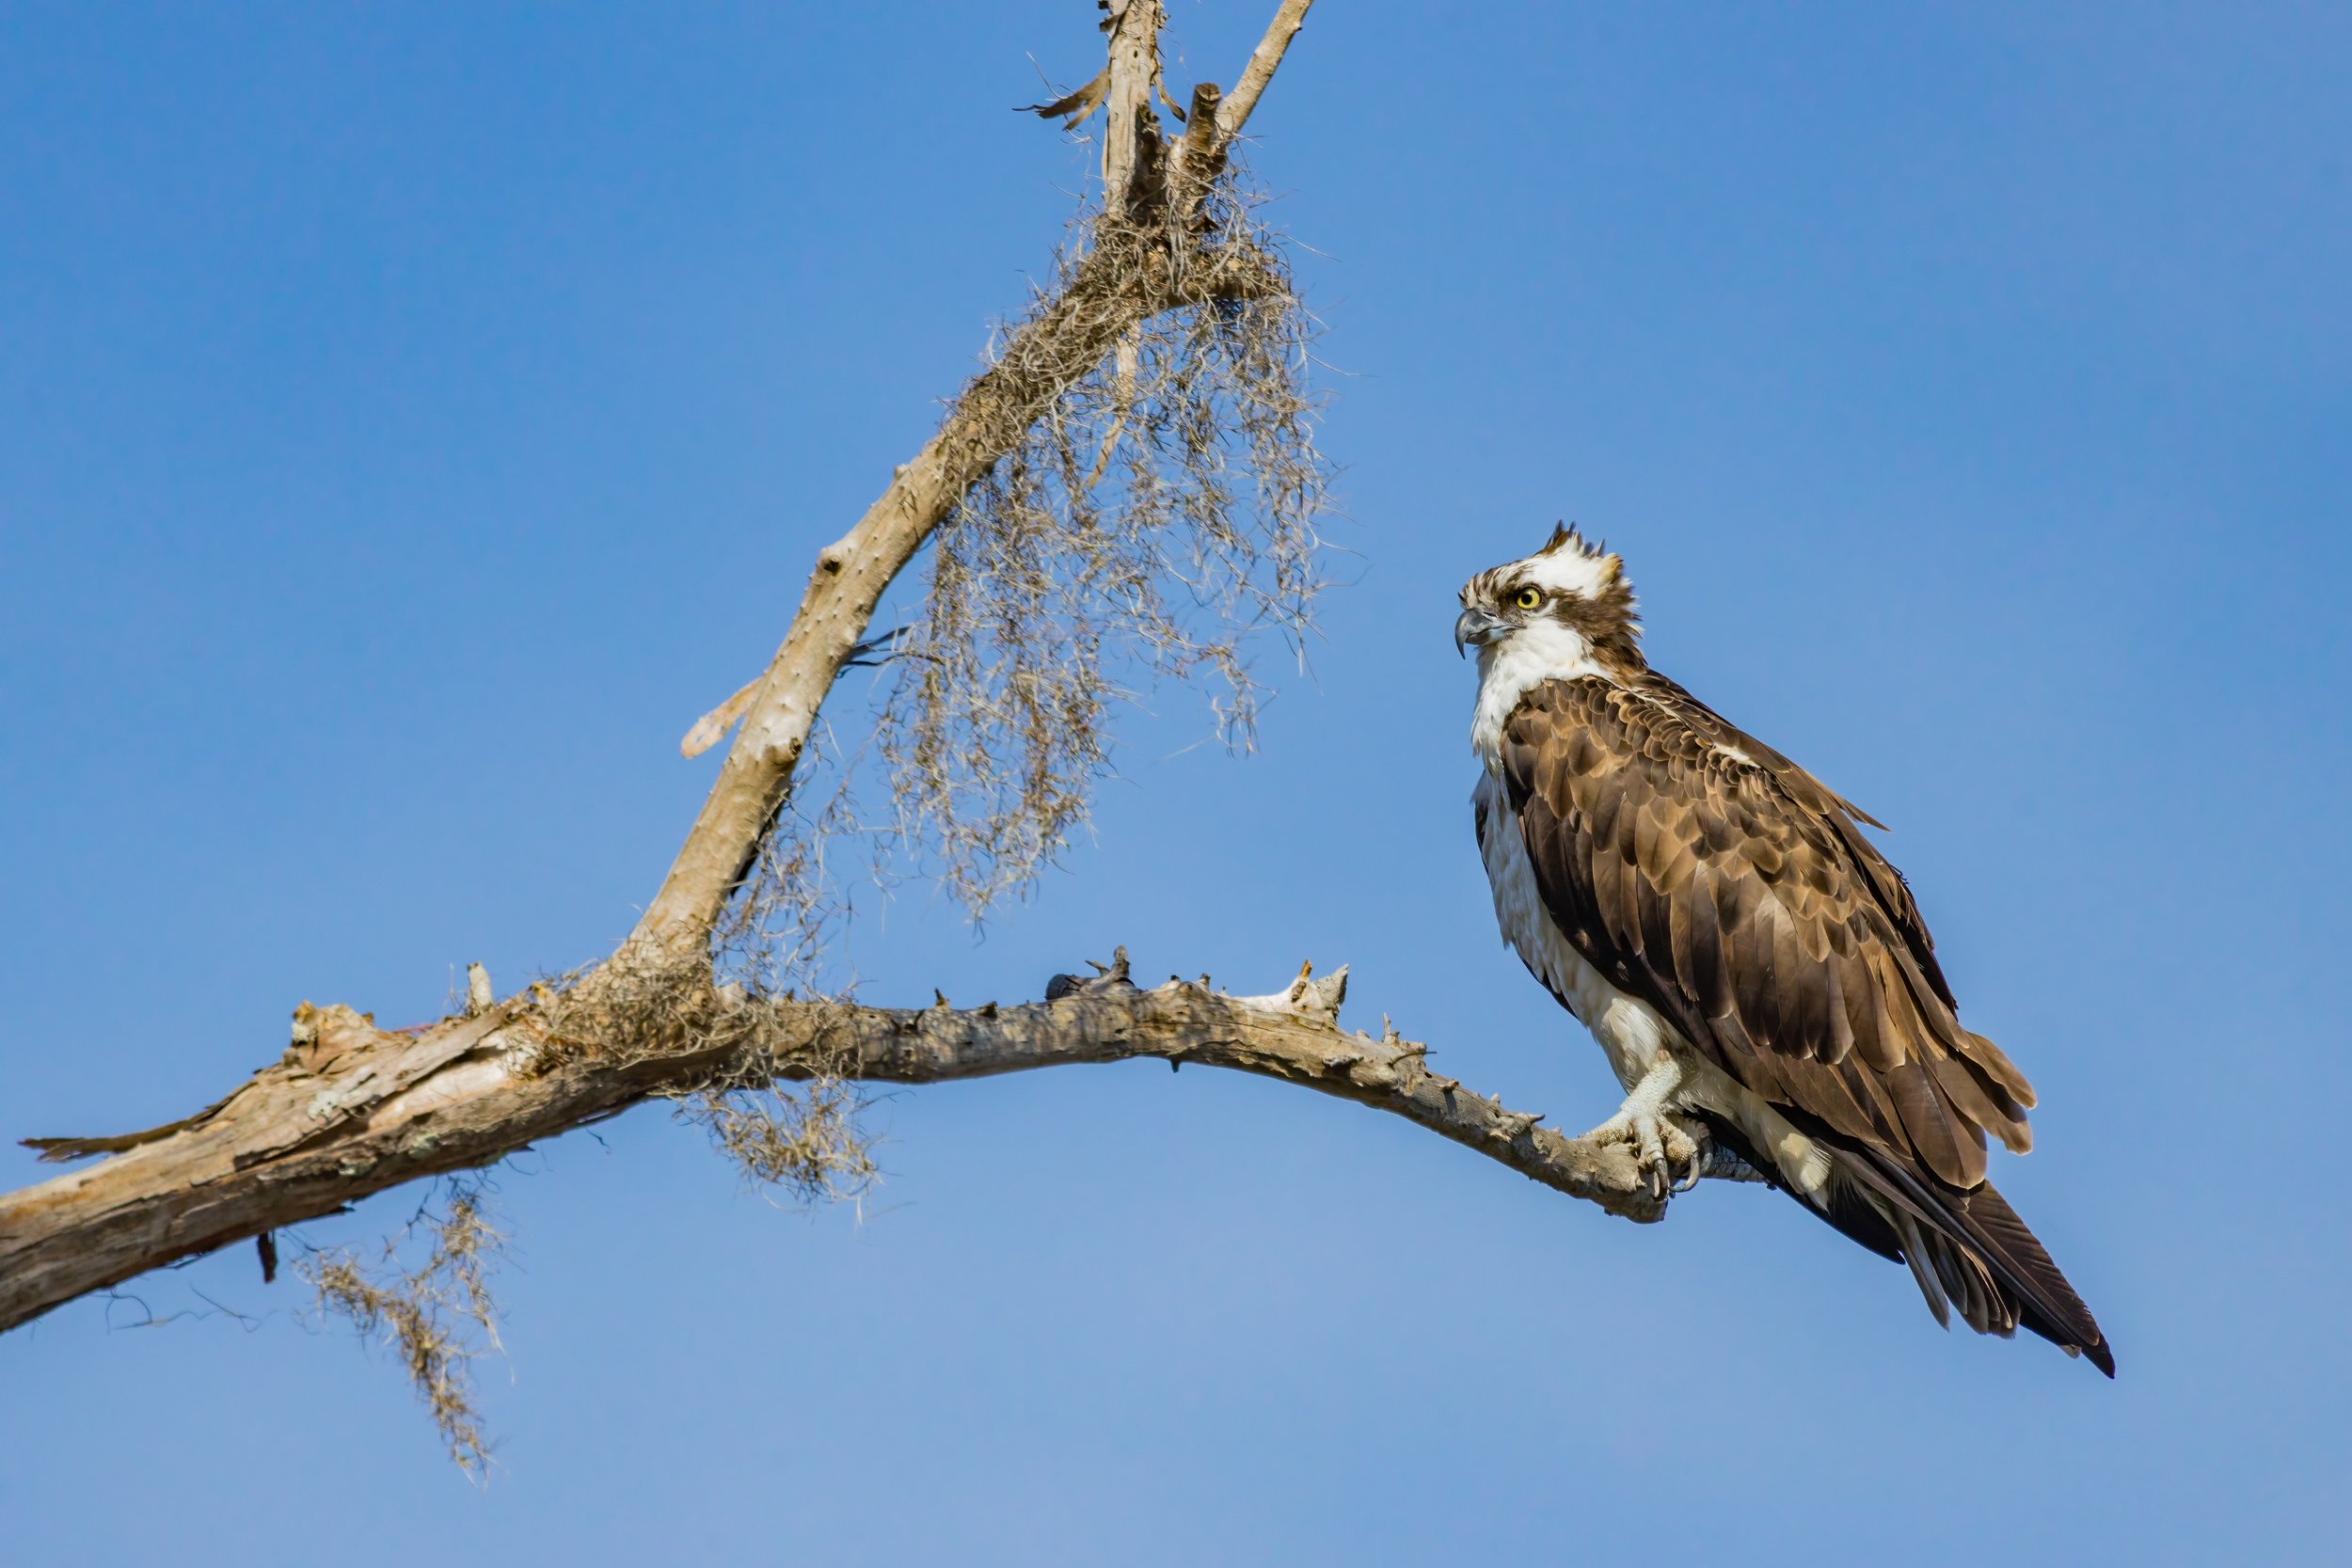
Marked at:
<point>1725,886</point>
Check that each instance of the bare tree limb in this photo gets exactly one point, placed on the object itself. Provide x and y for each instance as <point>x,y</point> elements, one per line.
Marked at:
<point>1264,60</point>
<point>1131,130</point>
<point>1063,342</point>
<point>351,1109</point>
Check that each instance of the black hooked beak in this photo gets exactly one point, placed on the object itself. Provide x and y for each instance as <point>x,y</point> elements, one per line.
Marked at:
<point>1475,629</point>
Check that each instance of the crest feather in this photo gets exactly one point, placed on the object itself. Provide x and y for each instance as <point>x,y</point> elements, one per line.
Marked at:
<point>1565,537</point>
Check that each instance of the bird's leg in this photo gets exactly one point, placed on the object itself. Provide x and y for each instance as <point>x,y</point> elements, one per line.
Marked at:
<point>1671,1149</point>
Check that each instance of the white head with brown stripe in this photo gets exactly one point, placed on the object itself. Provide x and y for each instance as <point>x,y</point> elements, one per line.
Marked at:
<point>1564,612</point>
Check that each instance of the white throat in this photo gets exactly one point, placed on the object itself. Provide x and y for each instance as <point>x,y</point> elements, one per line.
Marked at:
<point>1507,670</point>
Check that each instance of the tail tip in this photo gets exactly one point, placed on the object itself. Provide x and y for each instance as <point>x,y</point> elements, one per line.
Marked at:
<point>2097,1352</point>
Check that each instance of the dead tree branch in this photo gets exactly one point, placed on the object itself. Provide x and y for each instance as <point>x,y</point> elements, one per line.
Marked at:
<point>1116,286</point>
<point>351,1110</point>
<point>1264,60</point>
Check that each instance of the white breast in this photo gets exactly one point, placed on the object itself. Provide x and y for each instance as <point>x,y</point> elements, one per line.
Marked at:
<point>1629,1029</point>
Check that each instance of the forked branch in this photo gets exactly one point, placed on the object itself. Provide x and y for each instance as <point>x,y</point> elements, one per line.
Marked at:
<point>1118,285</point>
<point>350,1110</point>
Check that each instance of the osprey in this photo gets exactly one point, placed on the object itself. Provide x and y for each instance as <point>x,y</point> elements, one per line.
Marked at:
<point>1756,970</point>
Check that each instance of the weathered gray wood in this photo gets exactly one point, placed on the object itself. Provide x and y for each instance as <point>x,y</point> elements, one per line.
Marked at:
<point>350,1109</point>
<point>1264,60</point>
<point>1065,341</point>
<point>357,1109</point>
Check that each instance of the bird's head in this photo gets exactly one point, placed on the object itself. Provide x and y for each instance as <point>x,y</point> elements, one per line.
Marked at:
<point>1567,606</point>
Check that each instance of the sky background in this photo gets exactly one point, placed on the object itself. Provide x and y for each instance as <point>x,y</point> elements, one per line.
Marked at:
<point>411,418</point>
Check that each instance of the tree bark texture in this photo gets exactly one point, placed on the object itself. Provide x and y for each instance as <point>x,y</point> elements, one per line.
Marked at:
<point>351,1109</point>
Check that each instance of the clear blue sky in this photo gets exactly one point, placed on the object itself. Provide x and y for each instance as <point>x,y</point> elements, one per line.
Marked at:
<point>411,418</point>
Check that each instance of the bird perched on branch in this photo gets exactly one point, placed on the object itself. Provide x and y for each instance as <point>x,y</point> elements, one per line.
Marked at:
<point>1756,970</point>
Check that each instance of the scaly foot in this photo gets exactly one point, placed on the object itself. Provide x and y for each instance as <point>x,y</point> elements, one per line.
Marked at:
<point>1670,1148</point>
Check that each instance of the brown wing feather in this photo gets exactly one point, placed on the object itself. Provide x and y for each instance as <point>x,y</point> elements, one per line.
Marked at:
<point>1740,898</point>
<point>1887,885</point>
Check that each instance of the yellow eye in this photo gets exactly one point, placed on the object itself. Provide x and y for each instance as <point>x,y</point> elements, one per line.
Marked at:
<point>1527,599</point>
